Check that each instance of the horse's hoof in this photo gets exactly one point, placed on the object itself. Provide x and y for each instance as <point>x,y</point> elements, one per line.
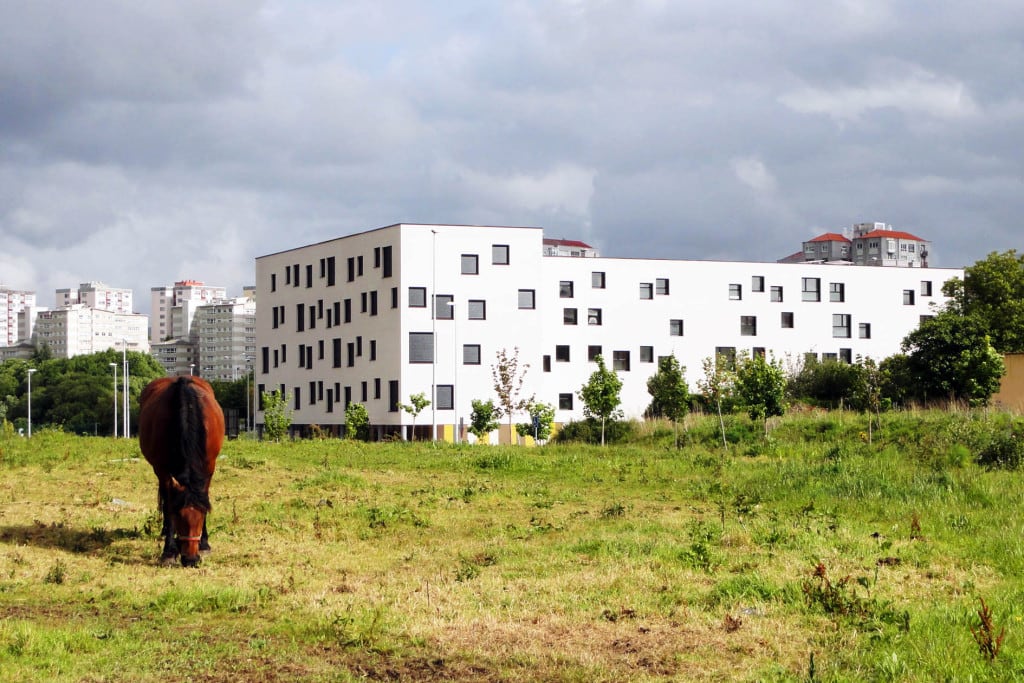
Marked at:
<point>168,560</point>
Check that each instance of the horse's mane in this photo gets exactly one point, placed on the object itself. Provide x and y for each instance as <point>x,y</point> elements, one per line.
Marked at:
<point>188,446</point>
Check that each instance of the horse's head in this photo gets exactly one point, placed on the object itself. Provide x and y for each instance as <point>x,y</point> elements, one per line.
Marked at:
<point>188,517</point>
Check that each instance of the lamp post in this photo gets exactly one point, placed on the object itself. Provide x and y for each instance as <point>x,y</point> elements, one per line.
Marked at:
<point>248,371</point>
<point>114,368</point>
<point>124,376</point>
<point>433,336</point>
<point>30,371</point>
<point>455,374</point>
<point>191,366</point>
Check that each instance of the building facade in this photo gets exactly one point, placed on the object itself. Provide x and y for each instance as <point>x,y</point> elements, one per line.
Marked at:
<point>174,306</point>
<point>97,295</point>
<point>378,316</point>
<point>226,338</point>
<point>79,329</point>
<point>869,244</point>
<point>13,302</point>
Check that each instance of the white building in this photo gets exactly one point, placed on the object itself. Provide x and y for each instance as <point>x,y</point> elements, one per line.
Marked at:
<point>174,306</point>
<point>226,338</point>
<point>350,319</point>
<point>79,329</point>
<point>12,302</point>
<point>97,295</point>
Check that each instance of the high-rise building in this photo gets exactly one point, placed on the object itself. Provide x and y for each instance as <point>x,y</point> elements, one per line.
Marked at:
<point>79,329</point>
<point>97,295</point>
<point>226,338</point>
<point>12,302</point>
<point>174,306</point>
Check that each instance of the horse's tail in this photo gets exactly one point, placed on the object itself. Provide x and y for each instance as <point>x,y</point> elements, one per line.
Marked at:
<point>190,443</point>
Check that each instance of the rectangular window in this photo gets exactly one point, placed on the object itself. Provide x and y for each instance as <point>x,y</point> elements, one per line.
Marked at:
<point>864,330</point>
<point>359,265</point>
<point>309,275</point>
<point>471,354</point>
<point>445,396</point>
<point>499,254</point>
<point>787,320</point>
<point>265,359</point>
<point>373,302</point>
<point>661,286</point>
<point>748,325</point>
<point>593,352</point>
<point>386,265</point>
<point>470,264</point>
<point>825,357</point>
<point>646,354</point>
<point>336,352</point>
<point>810,288</point>
<point>362,302</point>
<point>297,399</point>
<point>351,349</point>
<point>908,297</point>
<point>846,356</point>
<point>776,294</point>
<point>725,357</point>
<point>569,316</point>
<point>757,352</point>
<point>351,268</point>
<point>373,349</point>
<point>348,396</point>
<point>337,312</point>
<point>348,310</point>
<point>363,393</point>
<point>273,282</point>
<point>837,292</point>
<point>675,328</point>
<point>565,289</point>
<point>620,360</point>
<point>295,275</point>
<point>597,279</point>
<point>312,392</point>
<point>593,316</point>
<point>312,317</point>
<point>287,275</point>
<point>376,388</point>
<point>735,292</point>
<point>527,299</point>
<point>330,271</point>
<point>394,297</point>
<point>546,363</point>
<point>442,311</point>
<point>840,325</point>
<point>562,353</point>
<point>417,297</point>
<point>392,395</point>
<point>926,287</point>
<point>376,257</point>
<point>646,290</point>
<point>757,283</point>
<point>565,401</point>
<point>300,317</point>
<point>359,347</point>
<point>421,347</point>
<point>477,309</point>
<point>275,317</point>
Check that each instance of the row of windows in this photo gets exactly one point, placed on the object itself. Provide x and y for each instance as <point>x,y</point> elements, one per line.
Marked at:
<point>307,353</point>
<point>334,314</point>
<point>810,290</point>
<point>470,263</point>
<point>382,259</point>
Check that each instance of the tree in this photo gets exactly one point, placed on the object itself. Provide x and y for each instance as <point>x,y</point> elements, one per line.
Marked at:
<point>417,402</point>
<point>277,418</point>
<point>357,422</point>
<point>828,383</point>
<point>718,386</point>
<point>950,356</point>
<point>508,384</point>
<point>483,420</point>
<point>600,395</point>
<point>670,394</point>
<point>542,415</point>
<point>867,395</point>
<point>761,385</point>
<point>992,291</point>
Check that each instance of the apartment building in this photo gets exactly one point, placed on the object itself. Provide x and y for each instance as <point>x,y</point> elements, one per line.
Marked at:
<point>12,302</point>
<point>174,307</point>
<point>868,244</point>
<point>79,329</point>
<point>96,295</point>
<point>377,316</point>
<point>226,338</point>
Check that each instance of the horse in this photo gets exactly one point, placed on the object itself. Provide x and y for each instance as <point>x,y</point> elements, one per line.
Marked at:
<point>181,431</point>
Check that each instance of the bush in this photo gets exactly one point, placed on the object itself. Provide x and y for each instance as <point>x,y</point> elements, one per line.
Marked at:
<point>1005,450</point>
<point>589,431</point>
<point>357,422</point>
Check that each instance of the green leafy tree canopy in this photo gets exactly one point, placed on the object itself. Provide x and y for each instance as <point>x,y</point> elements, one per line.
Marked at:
<point>600,395</point>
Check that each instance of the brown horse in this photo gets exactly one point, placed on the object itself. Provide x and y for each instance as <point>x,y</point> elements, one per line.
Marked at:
<point>181,430</point>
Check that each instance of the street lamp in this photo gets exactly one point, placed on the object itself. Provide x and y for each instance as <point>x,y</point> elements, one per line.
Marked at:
<point>248,371</point>
<point>114,367</point>
<point>124,375</point>
<point>455,373</point>
<point>30,371</point>
<point>191,366</point>
<point>433,336</point>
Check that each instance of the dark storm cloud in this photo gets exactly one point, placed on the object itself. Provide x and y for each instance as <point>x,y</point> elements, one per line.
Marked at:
<point>142,143</point>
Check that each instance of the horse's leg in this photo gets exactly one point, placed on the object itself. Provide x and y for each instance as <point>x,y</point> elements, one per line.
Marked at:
<point>170,553</point>
<point>204,541</point>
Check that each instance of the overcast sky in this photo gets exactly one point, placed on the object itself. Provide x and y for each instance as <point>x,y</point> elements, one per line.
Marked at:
<point>147,142</point>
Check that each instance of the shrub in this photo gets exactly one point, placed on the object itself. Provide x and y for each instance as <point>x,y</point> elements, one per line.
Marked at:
<point>1005,450</point>
<point>357,422</point>
<point>589,431</point>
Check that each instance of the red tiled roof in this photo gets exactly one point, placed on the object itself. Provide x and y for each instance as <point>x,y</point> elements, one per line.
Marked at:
<point>830,237</point>
<point>894,234</point>
<point>567,243</point>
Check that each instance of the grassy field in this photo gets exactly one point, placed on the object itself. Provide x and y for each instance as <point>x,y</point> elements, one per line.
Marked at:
<point>811,556</point>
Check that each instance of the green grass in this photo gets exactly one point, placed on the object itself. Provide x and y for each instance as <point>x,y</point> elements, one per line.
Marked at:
<point>337,561</point>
